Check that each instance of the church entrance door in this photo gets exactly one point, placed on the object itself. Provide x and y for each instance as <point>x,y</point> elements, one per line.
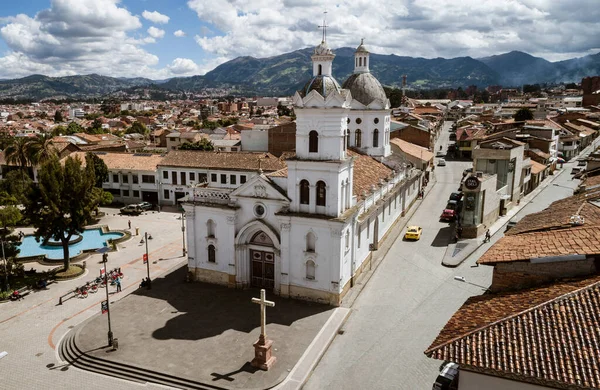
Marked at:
<point>263,269</point>
<point>263,261</point>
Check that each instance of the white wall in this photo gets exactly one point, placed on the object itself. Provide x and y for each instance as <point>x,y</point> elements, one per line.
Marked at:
<point>255,140</point>
<point>367,126</point>
<point>472,381</point>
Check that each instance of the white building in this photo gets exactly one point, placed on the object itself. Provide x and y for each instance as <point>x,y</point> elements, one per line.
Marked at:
<point>306,230</point>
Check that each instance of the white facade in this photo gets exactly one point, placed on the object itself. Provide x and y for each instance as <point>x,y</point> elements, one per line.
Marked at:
<point>303,233</point>
<point>474,381</point>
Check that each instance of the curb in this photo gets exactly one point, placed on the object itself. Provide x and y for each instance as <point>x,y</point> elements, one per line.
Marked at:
<point>315,351</point>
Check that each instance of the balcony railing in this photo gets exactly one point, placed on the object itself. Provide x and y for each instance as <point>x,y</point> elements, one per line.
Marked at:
<point>211,195</point>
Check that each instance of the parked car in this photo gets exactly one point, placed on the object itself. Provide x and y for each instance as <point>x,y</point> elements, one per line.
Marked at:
<point>581,163</point>
<point>132,209</point>
<point>448,215</point>
<point>448,378</point>
<point>467,171</point>
<point>452,205</point>
<point>575,170</point>
<point>146,206</point>
<point>440,153</point>
<point>413,233</point>
<point>441,162</point>
<point>452,137</point>
<point>457,196</point>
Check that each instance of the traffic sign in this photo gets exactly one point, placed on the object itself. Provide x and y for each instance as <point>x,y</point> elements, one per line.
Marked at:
<point>145,258</point>
<point>104,307</point>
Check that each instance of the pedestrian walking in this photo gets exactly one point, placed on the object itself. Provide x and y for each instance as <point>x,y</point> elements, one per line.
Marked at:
<point>129,224</point>
<point>118,281</point>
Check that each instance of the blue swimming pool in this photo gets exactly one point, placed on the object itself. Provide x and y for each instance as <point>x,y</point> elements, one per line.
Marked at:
<point>92,239</point>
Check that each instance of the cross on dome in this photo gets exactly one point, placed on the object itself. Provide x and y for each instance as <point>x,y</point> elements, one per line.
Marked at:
<point>324,26</point>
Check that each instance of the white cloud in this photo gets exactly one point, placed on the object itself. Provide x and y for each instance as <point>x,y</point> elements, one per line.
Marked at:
<point>156,32</point>
<point>181,66</point>
<point>179,33</point>
<point>427,28</point>
<point>155,17</point>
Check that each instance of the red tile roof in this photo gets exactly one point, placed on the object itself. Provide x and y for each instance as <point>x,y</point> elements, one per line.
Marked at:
<point>547,335</point>
<point>367,172</point>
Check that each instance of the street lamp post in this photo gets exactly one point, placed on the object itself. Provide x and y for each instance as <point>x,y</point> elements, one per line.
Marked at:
<point>147,260</point>
<point>183,231</point>
<point>103,250</point>
<point>6,286</point>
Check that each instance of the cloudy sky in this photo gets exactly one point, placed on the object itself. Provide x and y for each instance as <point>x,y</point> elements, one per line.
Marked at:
<point>165,38</point>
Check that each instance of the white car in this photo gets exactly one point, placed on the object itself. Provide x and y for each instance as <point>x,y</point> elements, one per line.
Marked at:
<point>440,154</point>
<point>441,162</point>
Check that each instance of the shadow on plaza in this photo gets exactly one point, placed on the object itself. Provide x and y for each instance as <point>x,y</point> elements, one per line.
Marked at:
<point>207,310</point>
<point>443,236</point>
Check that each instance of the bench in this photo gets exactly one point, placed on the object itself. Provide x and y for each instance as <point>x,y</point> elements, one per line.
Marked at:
<point>20,293</point>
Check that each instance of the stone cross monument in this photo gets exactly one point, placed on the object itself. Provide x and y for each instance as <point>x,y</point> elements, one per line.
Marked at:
<point>263,358</point>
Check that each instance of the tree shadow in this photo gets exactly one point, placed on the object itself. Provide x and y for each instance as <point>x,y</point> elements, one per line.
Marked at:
<point>208,310</point>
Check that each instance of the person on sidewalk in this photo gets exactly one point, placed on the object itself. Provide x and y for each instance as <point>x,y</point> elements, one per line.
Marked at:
<point>118,281</point>
<point>487,236</point>
<point>129,224</point>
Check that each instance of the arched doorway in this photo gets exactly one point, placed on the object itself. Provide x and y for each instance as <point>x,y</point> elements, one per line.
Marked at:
<point>262,258</point>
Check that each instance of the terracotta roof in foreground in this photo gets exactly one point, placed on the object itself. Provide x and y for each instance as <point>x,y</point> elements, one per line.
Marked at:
<point>413,150</point>
<point>125,161</point>
<point>547,335</point>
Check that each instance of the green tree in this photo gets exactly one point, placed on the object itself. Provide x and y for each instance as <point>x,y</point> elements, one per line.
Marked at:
<point>204,144</point>
<point>96,127</point>
<point>63,202</point>
<point>209,125</point>
<point>9,216</point>
<point>137,127</point>
<point>524,114</point>
<point>17,152</point>
<point>73,128</point>
<point>41,149</point>
<point>58,116</point>
<point>99,167</point>
<point>17,185</point>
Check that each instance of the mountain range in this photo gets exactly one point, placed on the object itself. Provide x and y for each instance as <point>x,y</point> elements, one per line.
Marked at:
<point>286,73</point>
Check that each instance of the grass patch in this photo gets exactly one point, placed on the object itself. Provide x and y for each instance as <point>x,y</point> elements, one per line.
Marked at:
<point>72,271</point>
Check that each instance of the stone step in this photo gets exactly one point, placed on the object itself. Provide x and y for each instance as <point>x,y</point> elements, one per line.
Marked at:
<point>72,354</point>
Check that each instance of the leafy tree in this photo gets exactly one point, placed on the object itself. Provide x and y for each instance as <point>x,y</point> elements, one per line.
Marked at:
<point>73,128</point>
<point>96,127</point>
<point>9,216</point>
<point>210,124</point>
<point>203,144</point>
<point>16,185</point>
<point>17,152</point>
<point>43,115</point>
<point>41,149</point>
<point>523,114</point>
<point>62,204</point>
<point>137,127</point>
<point>106,198</point>
<point>99,167</point>
<point>58,116</point>
<point>59,130</point>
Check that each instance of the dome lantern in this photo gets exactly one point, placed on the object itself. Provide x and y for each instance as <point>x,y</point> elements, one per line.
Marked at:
<point>361,58</point>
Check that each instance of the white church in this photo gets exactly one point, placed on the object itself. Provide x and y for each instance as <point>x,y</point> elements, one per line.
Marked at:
<point>308,230</point>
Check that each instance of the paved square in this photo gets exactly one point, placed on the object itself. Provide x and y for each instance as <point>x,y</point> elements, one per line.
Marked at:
<point>203,332</point>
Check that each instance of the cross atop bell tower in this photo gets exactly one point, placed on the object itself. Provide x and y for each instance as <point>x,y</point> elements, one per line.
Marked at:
<point>324,26</point>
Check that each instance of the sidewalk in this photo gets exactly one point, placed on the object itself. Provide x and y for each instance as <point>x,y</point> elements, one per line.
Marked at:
<point>460,251</point>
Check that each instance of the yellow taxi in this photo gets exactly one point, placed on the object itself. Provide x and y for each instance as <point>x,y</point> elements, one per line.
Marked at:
<point>413,233</point>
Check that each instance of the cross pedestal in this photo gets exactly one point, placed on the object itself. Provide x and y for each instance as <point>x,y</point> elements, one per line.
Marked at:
<point>263,357</point>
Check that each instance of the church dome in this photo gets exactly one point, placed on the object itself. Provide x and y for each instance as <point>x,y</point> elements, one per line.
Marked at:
<point>322,49</point>
<point>365,88</point>
<point>361,48</point>
<point>322,84</point>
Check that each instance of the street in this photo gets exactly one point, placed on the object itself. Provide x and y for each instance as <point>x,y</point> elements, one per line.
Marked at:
<point>411,296</point>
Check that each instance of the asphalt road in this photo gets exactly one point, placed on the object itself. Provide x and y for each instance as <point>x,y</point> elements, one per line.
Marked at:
<point>410,298</point>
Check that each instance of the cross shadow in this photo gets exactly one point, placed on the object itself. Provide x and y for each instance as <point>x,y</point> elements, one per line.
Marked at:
<point>207,310</point>
<point>247,367</point>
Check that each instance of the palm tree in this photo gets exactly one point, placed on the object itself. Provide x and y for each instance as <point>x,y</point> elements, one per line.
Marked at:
<point>41,149</point>
<point>17,152</point>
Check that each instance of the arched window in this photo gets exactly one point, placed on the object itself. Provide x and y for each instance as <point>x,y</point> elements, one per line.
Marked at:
<point>313,142</point>
<point>304,192</point>
<point>320,69</point>
<point>359,61</point>
<point>210,228</point>
<point>321,193</point>
<point>310,270</point>
<point>212,258</point>
<point>375,138</point>
<point>310,242</point>
<point>357,138</point>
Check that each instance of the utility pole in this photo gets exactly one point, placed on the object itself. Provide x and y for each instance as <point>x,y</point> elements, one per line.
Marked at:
<point>147,260</point>
<point>183,231</point>
<point>110,333</point>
